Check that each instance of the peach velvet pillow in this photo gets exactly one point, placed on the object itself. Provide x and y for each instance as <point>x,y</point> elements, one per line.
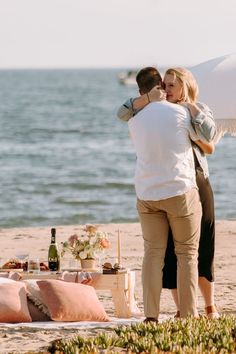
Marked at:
<point>71,301</point>
<point>13,302</point>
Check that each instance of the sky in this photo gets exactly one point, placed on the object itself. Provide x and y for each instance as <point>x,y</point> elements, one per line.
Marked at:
<point>114,33</point>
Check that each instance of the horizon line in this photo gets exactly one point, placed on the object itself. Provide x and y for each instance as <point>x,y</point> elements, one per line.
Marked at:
<point>126,67</point>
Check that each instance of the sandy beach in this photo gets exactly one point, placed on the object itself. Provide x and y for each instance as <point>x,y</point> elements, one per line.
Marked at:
<point>35,241</point>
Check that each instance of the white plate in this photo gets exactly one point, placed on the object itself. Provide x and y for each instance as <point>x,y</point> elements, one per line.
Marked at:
<point>18,270</point>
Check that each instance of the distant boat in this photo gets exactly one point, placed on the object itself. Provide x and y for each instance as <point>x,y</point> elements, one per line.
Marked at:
<point>127,78</point>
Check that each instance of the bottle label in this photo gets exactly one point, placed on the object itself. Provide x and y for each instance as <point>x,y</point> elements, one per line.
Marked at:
<point>53,264</point>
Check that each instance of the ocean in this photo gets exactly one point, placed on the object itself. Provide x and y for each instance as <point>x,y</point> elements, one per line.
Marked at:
<point>66,158</point>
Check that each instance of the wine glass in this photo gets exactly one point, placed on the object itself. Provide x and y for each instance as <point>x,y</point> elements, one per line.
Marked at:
<point>23,258</point>
<point>100,255</point>
<point>33,265</point>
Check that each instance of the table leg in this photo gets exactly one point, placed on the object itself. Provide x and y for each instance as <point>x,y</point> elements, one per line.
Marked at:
<point>124,300</point>
<point>120,303</point>
<point>133,307</point>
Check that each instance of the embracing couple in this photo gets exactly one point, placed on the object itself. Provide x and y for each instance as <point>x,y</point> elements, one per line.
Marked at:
<point>171,133</point>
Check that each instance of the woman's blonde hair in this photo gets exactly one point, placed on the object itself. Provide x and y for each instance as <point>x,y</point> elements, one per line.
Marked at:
<point>188,82</point>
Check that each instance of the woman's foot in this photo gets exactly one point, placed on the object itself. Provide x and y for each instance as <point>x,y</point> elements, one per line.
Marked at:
<point>177,315</point>
<point>211,312</point>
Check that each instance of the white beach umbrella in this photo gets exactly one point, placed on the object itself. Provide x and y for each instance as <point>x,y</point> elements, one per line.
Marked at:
<point>217,88</point>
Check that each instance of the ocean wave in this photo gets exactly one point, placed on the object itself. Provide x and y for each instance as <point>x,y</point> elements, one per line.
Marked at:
<point>66,158</point>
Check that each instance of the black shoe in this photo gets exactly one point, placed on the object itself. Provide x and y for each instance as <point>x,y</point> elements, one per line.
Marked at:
<point>150,319</point>
<point>177,315</point>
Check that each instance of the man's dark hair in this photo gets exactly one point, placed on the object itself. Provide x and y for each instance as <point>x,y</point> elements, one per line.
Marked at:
<point>147,78</point>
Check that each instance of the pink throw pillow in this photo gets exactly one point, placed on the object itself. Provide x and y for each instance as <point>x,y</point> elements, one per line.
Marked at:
<point>71,302</point>
<point>13,302</point>
<point>6,280</point>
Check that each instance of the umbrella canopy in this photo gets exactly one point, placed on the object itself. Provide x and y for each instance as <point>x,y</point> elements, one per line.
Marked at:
<point>217,88</point>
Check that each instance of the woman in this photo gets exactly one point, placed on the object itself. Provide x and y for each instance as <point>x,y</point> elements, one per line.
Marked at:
<point>181,87</point>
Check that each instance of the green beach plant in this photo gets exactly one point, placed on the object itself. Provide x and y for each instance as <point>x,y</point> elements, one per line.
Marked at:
<point>180,336</point>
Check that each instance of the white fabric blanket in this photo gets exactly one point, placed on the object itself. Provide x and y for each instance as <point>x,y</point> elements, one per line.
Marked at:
<point>114,321</point>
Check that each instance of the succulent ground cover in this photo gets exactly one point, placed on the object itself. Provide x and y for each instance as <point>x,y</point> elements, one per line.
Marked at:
<point>189,335</point>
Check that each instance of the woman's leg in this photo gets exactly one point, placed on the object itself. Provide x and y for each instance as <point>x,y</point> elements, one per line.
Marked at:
<point>207,244</point>
<point>170,266</point>
<point>207,290</point>
<point>206,250</point>
<point>174,294</point>
<point>170,271</point>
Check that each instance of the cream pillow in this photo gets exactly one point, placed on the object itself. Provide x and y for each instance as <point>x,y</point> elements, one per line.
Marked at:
<point>71,301</point>
<point>10,275</point>
<point>35,313</point>
<point>34,295</point>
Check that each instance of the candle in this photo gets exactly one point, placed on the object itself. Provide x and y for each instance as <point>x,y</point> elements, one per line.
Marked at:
<point>118,247</point>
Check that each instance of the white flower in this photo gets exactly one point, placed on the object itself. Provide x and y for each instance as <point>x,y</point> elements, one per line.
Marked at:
<point>83,255</point>
<point>87,248</point>
<point>87,245</point>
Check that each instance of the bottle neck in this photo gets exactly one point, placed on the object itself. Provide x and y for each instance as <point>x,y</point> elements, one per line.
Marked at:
<point>53,235</point>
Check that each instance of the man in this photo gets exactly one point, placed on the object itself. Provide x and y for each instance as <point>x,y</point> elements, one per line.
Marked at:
<point>167,195</point>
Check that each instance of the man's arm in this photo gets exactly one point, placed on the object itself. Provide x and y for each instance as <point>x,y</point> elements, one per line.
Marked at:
<point>133,105</point>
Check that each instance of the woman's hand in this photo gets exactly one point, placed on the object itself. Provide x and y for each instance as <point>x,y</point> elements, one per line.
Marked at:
<point>192,107</point>
<point>157,94</point>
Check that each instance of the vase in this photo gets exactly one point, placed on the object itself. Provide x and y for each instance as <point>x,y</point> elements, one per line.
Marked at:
<point>87,263</point>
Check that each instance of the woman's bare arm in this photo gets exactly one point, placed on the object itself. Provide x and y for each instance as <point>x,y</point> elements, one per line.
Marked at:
<point>207,148</point>
<point>156,94</point>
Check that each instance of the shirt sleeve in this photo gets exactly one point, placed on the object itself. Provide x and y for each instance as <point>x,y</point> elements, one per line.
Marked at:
<point>204,124</point>
<point>192,134</point>
<point>125,112</point>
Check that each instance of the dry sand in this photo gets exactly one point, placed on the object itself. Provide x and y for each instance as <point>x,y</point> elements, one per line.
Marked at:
<point>35,241</point>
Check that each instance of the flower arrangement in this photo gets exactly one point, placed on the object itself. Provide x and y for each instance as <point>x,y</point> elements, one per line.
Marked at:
<point>88,245</point>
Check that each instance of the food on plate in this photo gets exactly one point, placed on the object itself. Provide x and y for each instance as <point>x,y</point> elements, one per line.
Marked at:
<point>16,264</point>
<point>12,264</point>
<point>43,267</point>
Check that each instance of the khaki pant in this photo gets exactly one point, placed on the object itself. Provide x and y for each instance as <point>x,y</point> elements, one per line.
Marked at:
<point>183,214</point>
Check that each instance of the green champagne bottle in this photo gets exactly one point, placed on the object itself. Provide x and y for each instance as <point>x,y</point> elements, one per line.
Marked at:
<point>53,254</point>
